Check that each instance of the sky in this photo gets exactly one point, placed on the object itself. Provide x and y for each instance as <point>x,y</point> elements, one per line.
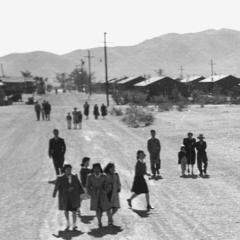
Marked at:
<point>61,26</point>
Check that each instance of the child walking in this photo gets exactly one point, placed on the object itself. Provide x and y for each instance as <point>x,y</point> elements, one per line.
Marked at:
<point>69,121</point>
<point>182,160</point>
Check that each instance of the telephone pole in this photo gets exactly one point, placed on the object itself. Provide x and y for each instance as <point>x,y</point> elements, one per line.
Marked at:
<point>212,72</point>
<point>89,57</point>
<point>2,70</point>
<point>106,68</point>
<point>181,72</point>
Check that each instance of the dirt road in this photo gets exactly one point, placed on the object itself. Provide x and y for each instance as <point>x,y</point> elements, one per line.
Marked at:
<point>185,209</point>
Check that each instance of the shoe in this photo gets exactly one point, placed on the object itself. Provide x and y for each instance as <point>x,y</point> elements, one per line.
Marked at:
<point>149,207</point>
<point>110,224</point>
<point>66,229</point>
<point>75,228</point>
<point>129,203</point>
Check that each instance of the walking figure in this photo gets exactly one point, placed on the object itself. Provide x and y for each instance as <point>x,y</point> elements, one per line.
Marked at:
<point>104,111</point>
<point>86,109</point>
<point>182,160</point>
<point>80,119</point>
<point>69,188</point>
<point>69,121</point>
<point>96,188</point>
<point>139,184</point>
<point>96,111</point>
<point>75,117</point>
<point>37,108</point>
<point>56,151</point>
<point>190,144</point>
<point>43,110</point>
<point>47,110</point>
<point>113,188</point>
<point>202,158</point>
<point>154,149</point>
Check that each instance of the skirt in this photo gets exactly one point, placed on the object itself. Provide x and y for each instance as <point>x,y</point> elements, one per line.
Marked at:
<point>139,185</point>
<point>70,206</point>
<point>191,158</point>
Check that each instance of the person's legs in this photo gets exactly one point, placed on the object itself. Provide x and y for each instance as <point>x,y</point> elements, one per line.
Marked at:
<point>74,217</point>
<point>152,164</point>
<point>80,125</point>
<point>199,164</point>
<point>66,213</point>
<point>205,164</point>
<point>148,202</point>
<point>158,166</point>
<point>99,217</point>
<point>129,200</point>
<point>110,219</point>
<point>114,210</point>
<point>56,166</point>
<point>38,115</point>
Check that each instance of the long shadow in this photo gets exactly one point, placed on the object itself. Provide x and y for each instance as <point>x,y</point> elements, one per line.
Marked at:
<point>142,213</point>
<point>101,232</point>
<point>156,178</point>
<point>206,176</point>
<point>68,235</point>
<point>87,219</point>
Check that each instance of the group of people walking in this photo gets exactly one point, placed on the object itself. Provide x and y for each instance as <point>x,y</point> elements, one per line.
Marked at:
<point>187,155</point>
<point>43,110</point>
<point>76,117</point>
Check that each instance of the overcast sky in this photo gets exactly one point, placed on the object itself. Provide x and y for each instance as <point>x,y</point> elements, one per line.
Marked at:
<point>60,26</point>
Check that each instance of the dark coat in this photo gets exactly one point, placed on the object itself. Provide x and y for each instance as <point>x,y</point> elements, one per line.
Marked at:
<point>104,110</point>
<point>154,148</point>
<point>47,108</point>
<point>83,175</point>
<point>57,148</point>
<point>190,145</point>
<point>201,150</point>
<point>96,111</point>
<point>37,107</point>
<point>86,109</point>
<point>69,193</point>
<point>181,155</point>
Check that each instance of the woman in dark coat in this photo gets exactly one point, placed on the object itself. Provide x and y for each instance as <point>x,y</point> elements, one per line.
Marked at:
<point>103,111</point>
<point>202,159</point>
<point>139,183</point>
<point>96,188</point>
<point>86,109</point>
<point>69,188</point>
<point>96,111</point>
<point>190,144</point>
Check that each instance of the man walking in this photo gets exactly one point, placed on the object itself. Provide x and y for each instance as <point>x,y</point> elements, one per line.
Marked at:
<point>154,149</point>
<point>56,151</point>
<point>37,108</point>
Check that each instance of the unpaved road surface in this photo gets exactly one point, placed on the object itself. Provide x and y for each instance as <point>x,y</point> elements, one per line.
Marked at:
<point>185,209</point>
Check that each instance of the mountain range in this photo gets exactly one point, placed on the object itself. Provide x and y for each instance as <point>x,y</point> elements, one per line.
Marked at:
<point>192,51</point>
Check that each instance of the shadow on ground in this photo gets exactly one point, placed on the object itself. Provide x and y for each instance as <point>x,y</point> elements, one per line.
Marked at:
<point>142,213</point>
<point>101,232</point>
<point>68,235</point>
<point>87,219</point>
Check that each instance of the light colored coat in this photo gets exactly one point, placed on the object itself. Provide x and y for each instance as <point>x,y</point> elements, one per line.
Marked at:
<point>96,188</point>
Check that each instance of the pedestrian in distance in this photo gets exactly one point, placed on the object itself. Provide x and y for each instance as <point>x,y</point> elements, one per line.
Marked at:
<point>37,108</point>
<point>48,108</point>
<point>69,121</point>
<point>190,144</point>
<point>86,110</point>
<point>202,159</point>
<point>113,188</point>
<point>96,111</point>
<point>182,160</point>
<point>56,151</point>
<point>154,149</point>
<point>96,188</point>
<point>139,183</point>
<point>104,111</point>
<point>43,110</point>
<point>69,189</point>
<point>75,118</point>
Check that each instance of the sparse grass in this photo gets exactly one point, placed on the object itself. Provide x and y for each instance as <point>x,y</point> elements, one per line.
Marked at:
<point>116,111</point>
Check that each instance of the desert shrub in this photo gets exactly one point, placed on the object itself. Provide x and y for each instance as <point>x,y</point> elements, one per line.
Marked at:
<point>137,117</point>
<point>166,106</point>
<point>116,111</point>
<point>159,99</point>
<point>181,105</point>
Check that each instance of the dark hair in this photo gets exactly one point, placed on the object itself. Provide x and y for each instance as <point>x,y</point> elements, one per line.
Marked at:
<point>152,131</point>
<point>84,160</point>
<point>97,165</point>
<point>190,134</point>
<point>65,166</point>
<point>139,152</point>
<point>108,167</point>
<point>182,148</point>
<point>55,130</point>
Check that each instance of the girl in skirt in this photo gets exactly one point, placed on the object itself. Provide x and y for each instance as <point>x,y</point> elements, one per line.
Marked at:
<point>182,160</point>
<point>139,183</point>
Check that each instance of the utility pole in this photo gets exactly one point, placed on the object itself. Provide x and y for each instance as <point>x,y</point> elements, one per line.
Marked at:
<point>2,70</point>
<point>181,72</point>
<point>212,64</point>
<point>89,56</point>
<point>106,68</point>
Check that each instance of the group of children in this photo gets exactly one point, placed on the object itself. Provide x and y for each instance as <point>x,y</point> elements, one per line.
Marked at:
<point>187,155</point>
<point>77,116</point>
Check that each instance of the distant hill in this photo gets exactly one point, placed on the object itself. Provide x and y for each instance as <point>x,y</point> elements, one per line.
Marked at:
<point>193,51</point>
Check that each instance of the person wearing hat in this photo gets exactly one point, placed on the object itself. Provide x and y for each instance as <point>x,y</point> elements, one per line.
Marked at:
<point>69,189</point>
<point>190,144</point>
<point>202,159</point>
<point>182,160</point>
<point>75,118</point>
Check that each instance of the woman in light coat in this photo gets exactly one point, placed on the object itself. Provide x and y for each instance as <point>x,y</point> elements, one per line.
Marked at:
<point>113,187</point>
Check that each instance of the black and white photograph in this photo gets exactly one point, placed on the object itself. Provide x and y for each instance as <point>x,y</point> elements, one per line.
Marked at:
<point>119,119</point>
